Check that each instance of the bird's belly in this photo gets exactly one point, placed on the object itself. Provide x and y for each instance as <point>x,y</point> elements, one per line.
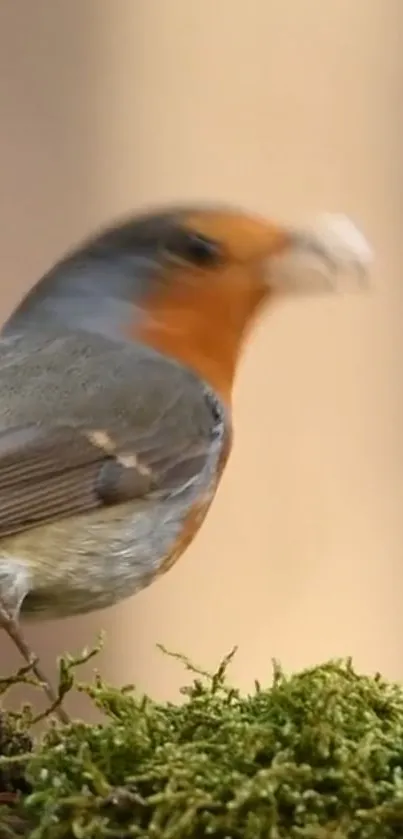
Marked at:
<point>93,561</point>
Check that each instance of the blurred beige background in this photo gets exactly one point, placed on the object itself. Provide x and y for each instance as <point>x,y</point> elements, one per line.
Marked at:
<point>288,107</point>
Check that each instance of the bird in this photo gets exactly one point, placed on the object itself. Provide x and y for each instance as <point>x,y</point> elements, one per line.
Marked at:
<point>117,373</point>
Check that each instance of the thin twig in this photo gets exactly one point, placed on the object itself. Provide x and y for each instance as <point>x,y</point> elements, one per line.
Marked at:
<point>11,626</point>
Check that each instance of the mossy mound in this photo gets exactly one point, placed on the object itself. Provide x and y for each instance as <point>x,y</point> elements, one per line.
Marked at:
<point>318,755</point>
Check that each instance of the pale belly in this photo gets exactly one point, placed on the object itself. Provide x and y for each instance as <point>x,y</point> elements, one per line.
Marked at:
<point>93,561</point>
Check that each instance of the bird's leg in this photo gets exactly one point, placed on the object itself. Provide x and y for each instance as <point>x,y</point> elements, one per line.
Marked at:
<point>10,624</point>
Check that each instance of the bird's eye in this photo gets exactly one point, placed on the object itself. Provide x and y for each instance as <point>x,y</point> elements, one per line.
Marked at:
<point>194,248</point>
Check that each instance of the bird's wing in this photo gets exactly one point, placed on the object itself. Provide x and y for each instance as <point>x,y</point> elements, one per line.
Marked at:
<point>73,460</point>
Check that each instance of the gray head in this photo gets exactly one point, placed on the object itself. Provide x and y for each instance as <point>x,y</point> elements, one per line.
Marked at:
<point>108,281</point>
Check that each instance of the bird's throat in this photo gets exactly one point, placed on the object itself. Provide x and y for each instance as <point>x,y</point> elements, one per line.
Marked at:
<point>206,334</point>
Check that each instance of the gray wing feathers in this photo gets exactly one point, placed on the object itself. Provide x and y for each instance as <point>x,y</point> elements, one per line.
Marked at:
<point>85,422</point>
<point>86,379</point>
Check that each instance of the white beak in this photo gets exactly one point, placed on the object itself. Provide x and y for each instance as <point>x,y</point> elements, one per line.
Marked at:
<point>320,256</point>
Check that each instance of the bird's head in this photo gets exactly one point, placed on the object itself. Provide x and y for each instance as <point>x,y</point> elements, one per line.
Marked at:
<point>189,281</point>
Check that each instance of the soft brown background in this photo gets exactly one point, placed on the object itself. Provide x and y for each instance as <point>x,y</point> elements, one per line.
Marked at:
<point>289,107</point>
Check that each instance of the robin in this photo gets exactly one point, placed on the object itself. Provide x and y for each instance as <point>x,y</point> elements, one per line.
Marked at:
<point>116,378</point>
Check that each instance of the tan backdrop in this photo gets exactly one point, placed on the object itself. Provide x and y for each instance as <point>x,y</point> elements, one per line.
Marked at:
<point>289,107</point>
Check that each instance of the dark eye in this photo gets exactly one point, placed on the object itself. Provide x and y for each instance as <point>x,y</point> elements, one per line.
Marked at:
<point>194,248</point>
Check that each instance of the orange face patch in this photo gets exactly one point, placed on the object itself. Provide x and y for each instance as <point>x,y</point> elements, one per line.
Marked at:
<point>200,321</point>
<point>199,315</point>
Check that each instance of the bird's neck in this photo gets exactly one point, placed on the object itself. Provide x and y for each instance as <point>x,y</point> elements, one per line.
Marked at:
<point>204,331</point>
<point>202,326</point>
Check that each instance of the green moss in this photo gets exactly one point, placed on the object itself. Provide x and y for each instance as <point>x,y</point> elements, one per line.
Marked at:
<point>318,755</point>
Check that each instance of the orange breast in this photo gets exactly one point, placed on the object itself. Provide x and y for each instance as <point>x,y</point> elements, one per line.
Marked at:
<point>199,318</point>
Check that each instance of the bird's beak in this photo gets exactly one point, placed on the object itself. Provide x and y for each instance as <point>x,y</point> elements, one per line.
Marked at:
<point>318,259</point>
